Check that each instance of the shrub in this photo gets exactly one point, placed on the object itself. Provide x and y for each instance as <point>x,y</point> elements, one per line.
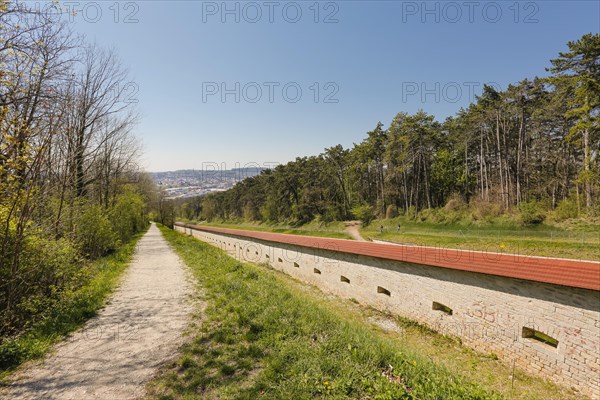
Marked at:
<point>455,204</point>
<point>47,266</point>
<point>430,215</point>
<point>566,209</point>
<point>485,210</point>
<point>127,215</point>
<point>94,232</point>
<point>363,212</point>
<point>531,213</point>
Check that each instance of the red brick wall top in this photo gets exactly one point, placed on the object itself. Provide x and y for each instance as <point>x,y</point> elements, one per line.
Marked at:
<point>574,273</point>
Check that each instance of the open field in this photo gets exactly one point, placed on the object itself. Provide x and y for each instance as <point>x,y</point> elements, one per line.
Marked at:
<point>544,241</point>
<point>265,335</point>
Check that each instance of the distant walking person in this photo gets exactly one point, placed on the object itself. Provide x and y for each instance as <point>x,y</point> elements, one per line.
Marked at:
<point>398,228</point>
<point>381,228</point>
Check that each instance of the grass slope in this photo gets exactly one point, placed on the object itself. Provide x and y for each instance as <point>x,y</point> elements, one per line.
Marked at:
<point>73,311</point>
<point>331,229</point>
<point>264,335</point>
<point>544,240</point>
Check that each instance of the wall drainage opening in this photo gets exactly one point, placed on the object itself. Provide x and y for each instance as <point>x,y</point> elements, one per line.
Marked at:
<point>279,259</point>
<point>440,307</point>
<point>296,265</point>
<point>383,290</point>
<point>317,271</point>
<point>539,336</point>
<point>344,279</point>
<point>266,255</point>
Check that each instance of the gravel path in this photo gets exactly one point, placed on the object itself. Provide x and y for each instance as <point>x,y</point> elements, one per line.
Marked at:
<point>352,228</point>
<point>118,351</point>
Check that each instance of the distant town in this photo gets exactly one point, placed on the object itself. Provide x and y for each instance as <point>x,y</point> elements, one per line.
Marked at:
<point>197,182</point>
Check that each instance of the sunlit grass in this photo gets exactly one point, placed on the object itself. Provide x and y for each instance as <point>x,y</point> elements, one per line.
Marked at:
<point>265,335</point>
<point>534,241</point>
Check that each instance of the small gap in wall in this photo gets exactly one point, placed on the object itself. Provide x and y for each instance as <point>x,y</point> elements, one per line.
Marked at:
<point>279,259</point>
<point>383,290</point>
<point>441,307</point>
<point>317,271</point>
<point>539,336</point>
<point>266,255</point>
<point>344,279</point>
<point>296,265</point>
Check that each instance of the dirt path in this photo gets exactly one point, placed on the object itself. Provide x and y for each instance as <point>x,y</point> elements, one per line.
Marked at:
<point>352,228</point>
<point>118,351</point>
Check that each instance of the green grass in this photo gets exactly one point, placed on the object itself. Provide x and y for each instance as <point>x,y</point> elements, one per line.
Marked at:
<point>577,241</point>
<point>74,309</point>
<point>547,241</point>
<point>265,335</point>
<point>331,229</point>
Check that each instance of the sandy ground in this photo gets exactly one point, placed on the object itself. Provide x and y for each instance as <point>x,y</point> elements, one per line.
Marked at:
<point>352,228</point>
<point>118,351</point>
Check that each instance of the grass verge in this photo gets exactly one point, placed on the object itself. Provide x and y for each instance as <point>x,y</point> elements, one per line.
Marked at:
<point>543,241</point>
<point>75,308</point>
<point>265,335</point>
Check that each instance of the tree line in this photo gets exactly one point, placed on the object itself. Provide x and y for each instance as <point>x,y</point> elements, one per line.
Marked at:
<point>529,149</point>
<point>70,186</point>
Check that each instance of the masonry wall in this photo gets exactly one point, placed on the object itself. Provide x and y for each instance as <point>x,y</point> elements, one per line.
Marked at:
<point>489,313</point>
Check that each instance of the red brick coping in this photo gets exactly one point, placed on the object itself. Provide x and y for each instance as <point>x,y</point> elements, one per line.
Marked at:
<point>574,273</point>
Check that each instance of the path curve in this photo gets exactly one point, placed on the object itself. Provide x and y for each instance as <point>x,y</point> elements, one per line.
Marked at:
<point>118,351</point>
<point>353,229</point>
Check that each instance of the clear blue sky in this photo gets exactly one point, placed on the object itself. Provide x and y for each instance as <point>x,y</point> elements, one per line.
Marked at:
<point>378,56</point>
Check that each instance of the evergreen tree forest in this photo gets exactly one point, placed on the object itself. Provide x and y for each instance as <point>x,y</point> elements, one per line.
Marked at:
<point>530,150</point>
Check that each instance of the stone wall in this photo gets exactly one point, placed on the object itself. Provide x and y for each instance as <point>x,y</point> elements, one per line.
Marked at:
<point>491,314</point>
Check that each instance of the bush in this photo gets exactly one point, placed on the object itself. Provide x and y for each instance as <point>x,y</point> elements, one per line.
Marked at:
<point>47,266</point>
<point>485,210</point>
<point>455,204</point>
<point>391,212</point>
<point>94,232</point>
<point>566,209</point>
<point>363,212</point>
<point>430,215</point>
<point>127,215</point>
<point>531,213</point>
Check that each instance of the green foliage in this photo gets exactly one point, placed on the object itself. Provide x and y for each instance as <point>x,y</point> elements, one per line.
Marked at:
<point>566,209</point>
<point>268,211</point>
<point>83,290</point>
<point>94,231</point>
<point>127,215</point>
<point>363,212</point>
<point>531,213</point>
<point>485,211</point>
